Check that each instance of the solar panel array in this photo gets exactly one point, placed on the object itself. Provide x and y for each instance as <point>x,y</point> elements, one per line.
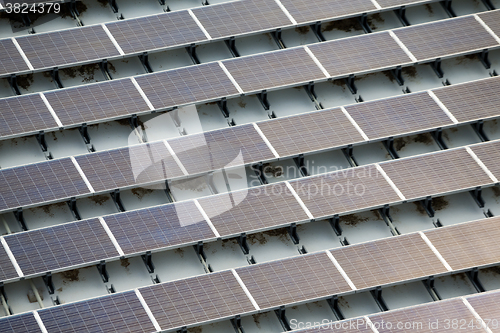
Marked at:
<point>24,323</point>
<point>7,270</point>
<point>397,3</point>
<point>486,306</point>
<point>10,58</point>
<point>491,20</point>
<point>487,153</point>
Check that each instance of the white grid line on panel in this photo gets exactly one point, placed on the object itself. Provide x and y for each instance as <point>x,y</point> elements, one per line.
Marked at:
<point>299,200</point>
<point>370,324</point>
<point>111,237</point>
<point>237,86</point>
<point>389,180</point>
<point>436,252</point>
<point>11,257</point>
<point>51,110</point>
<point>354,123</point>
<point>275,153</point>
<point>375,3</point>
<point>113,40</point>
<point>317,62</point>
<point>176,158</point>
<point>442,106</point>
<point>82,174</point>
<point>199,24</point>
<point>287,13</point>
<point>485,26</point>
<point>21,52</point>
<point>141,92</point>
<point>482,165</point>
<point>39,322</point>
<point>476,315</point>
<point>245,289</point>
<point>402,46</point>
<point>205,216</point>
<point>341,270</point>
<point>148,310</point>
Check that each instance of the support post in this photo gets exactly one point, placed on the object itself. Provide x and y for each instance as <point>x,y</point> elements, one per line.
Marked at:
<point>148,261</point>
<point>13,84</point>
<point>447,8</point>
<point>483,56</point>
<point>40,137</point>
<point>202,256</point>
<point>101,267</point>
<point>386,216</point>
<point>349,155</point>
<point>334,305</point>
<point>299,162</point>
<point>477,195</point>
<point>334,223</point>
<point>47,279</point>
<point>259,172</point>
<point>113,6</point>
<point>312,95</point>
<point>401,14</point>
<point>262,96</point>
<point>389,146</point>
<point>18,214</point>
<point>74,210</point>
<point>427,204</point>
<point>429,285</point>
<point>377,295</point>
<point>474,279</point>
<point>350,84</point>
<point>103,65</point>
<point>170,197</point>
<point>242,241</point>
<point>363,20</point>
<point>277,38</point>
<point>316,28</point>
<point>55,77</point>
<point>86,138</point>
<point>231,45</point>
<point>75,13</point>
<point>436,67</point>
<point>478,127</point>
<point>280,313</point>
<point>115,195</point>
<point>144,58</point>
<point>488,5</point>
<point>222,104</point>
<point>191,50</point>
<point>438,137</point>
<point>236,322</point>
<point>292,231</point>
<point>398,76</point>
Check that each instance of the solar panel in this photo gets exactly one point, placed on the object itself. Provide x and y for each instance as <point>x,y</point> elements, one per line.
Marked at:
<point>468,245</point>
<point>112,313</point>
<point>492,20</point>
<point>317,10</point>
<point>40,182</point>
<point>399,115</point>
<point>195,300</point>
<point>472,100</point>
<point>397,3</point>
<point>240,17</point>
<point>437,173</point>
<point>360,53</point>
<point>96,102</point>
<point>67,46</point>
<point>24,323</point>
<point>428,318</point>
<point>388,260</point>
<point>309,132</point>
<point>24,114</point>
<point>293,280</point>
<point>446,37</point>
<point>134,165</point>
<point>218,149</point>
<point>10,58</point>
<point>159,227</point>
<point>343,191</point>
<point>156,32</point>
<point>252,209</point>
<point>65,245</point>
<point>7,270</point>
<point>486,305</point>
<point>186,85</point>
<point>275,69</point>
<point>488,154</point>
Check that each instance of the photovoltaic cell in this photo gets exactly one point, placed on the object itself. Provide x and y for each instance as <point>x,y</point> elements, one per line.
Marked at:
<point>273,69</point>
<point>492,20</point>
<point>309,132</point>
<point>158,227</point>
<point>7,270</point>
<point>113,313</point>
<point>468,245</point>
<point>488,154</point>
<point>343,191</point>
<point>317,10</point>
<point>199,299</point>
<point>24,323</point>
<point>447,37</point>
<point>10,59</point>
<point>388,260</point>
<point>437,173</point>
<point>134,165</point>
<point>399,115</point>
<point>419,318</point>
<point>156,31</point>
<point>65,245</point>
<point>67,46</point>
<point>240,17</point>
<point>486,305</point>
<point>186,85</point>
<point>218,149</point>
<point>24,114</point>
<point>293,280</point>
<point>472,100</point>
<point>247,210</point>
<point>40,182</point>
<point>97,101</point>
<point>360,53</point>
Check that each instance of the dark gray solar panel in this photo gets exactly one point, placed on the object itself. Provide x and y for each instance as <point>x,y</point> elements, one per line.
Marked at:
<point>437,173</point>
<point>220,149</point>
<point>247,210</point>
<point>310,132</point>
<point>343,191</point>
<point>61,246</point>
<point>293,280</point>
<point>486,306</point>
<point>360,53</point>
<point>472,100</point>
<point>186,85</point>
<point>468,245</point>
<point>97,101</point>
<point>273,69</point>
<point>447,37</point>
<point>155,32</point>
<point>7,270</point>
<point>40,182</point>
<point>24,323</point>
<point>388,260</point>
<point>159,227</point>
<point>399,115</point>
<point>113,313</point>
<point>67,46</point>
<point>488,154</point>
<point>134,165</point>
<point>397,3</point>
<point>10,59</point>
<point>492,20</point>
<point>240,17</point>
<point>199,299</point>
<point>318,10</point>
<point>24,114</point>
